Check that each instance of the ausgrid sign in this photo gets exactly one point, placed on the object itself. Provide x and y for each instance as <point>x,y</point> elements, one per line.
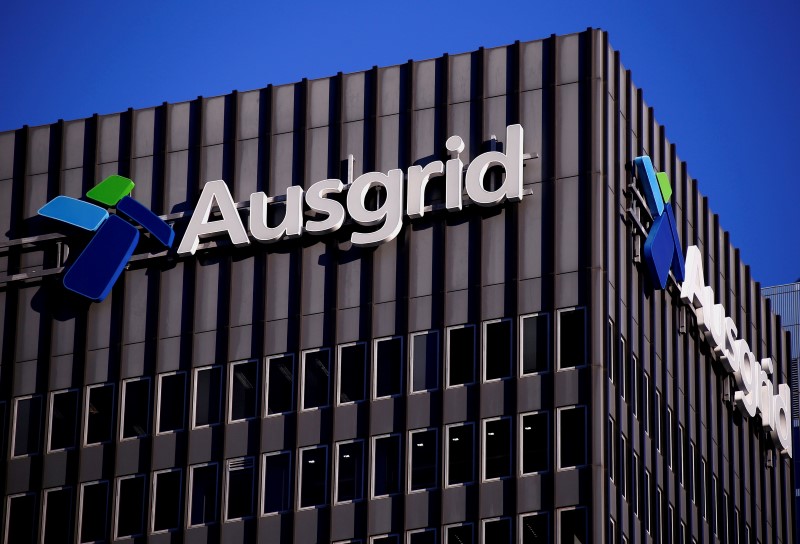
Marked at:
<point>329,214</point>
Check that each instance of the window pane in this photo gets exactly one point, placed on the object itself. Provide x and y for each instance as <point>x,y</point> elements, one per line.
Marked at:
<point>497,442</point>
<point>350,471</point>
<point>535,443</point>
<point>391,539</point>
<point>93,512</point>
<point>498,350</point>
<point>130,507</point>
<point>388,367</point>
<point>312,486</point>
<point>425,364</point>
<point>423,459</point>
<point>572,338</point>
<point>241,476</point>
<point>277,482</point>
<point>281,384</point>
<point>100,414</point>
<point>459,454</point>
<point>207,396</point>
<point>243,390</point>
<point>497,531</point>
<point>21,519</point>
<point>57,517</point>
<point>535,344</point>
<point>168,493</point>
<point>535,529</point>
<point>26,426</point>
<point>136,411</point>
<point>63,420</point>
<point>461,356</point>
<point>572,526</point>
<point>315,379</point>
<point>387,465</point>
<point>203,496</point>
<point>572,434</point>
<point>461,534</point>
<point>171,402</point>
<point>422,537</point>
<point>352,373</point>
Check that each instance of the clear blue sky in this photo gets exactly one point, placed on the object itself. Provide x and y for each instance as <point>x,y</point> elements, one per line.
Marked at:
<point>722,76</point>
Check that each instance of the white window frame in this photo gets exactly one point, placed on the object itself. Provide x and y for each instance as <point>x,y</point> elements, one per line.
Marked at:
<point>612,528</point>
<point>14,428</point>
<point>267,362</point>
<point>447,354</point>
<point>462,524</point>
<point>521,350</point>
<point>692,474</point>
<point>84,438</point>
<point>559,313</point>
<point>623,465</point>
<point>226,486</point>
<point>560,511</point>
<point>646,402</point>
<point>410,459</point>
<point>484,423</point>
<point>411,361</point>
<point>158,403</point>
<point>446,467</point>
<point>659,519</point>
<point>192,468</point>
<point>375,538</point>
<point>544,513</point>
<point>547,436</point>
<point>703,504</point>
<point>303,354</point>
<point>670,523</point>
<point>559,434</point>
<point>121,418</point>
<point>612,455</point>
<point>648,507</point>
<point>154,484</point>
<point>635,483</point>
<point>231,368</point>
<point>374,439</point>
<point>623,359</point>
<point>420,531</point>
<point>104,517</point>
<point>195,373</point>
<point>681,448</point>
<point>635,384</point>
<point>485,343</point>
<point>263,483</point>
<point>491,520</point>
<point>715,513</point>
<point>611,354</point>
<point>670,439</point>
<point>338,391</point>
<point>117,485</point>
<point>43,515</point>
<point>658,419</point>
<point>401,374</point>
<point>50,419</point>
<point>300,478</point>
<point>8,514</point>
<point>336,471</point>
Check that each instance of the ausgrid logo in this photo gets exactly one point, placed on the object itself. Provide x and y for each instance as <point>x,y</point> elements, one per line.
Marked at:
<point>662,249</point>
<point>94,272</point>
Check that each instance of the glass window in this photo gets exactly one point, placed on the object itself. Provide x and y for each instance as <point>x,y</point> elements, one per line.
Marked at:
<point>313,476</point>
<point>612,449</point>
<point>635,484</point>
<point>280,384</point>
<point>458,534</point>
<point>535,347</point>
<point>316,376</point>
<point>646,402</point>
<point>171,402</point>
<point>388,367</point>
<point>571,338</point>
<point>422,536</point>
<point>572,437</point>
<point>63,419</point>
<point>243,394</point>
<point>423,459</point>
<point>635,384</point>
<point>424,361</point>
<point>670,453</point>
<point>657,420</point>
<point>572,527</point>
<point>99,413</point>
<point>27,417</point>
<point>702,485</point>
<point>202,494</point>
<point>623,466</point>
<point>535,528</point>
<point>460,454</point>
<point>349,471</point>
<point>58,514</point>
<point>497,531</point>
<point>626,371</point>
<point>497,350</point>
<point>130,506</point>
<point>136,407</point>
<point>93,512</point>
<point>240,479</point>
<point>277,486</point>
<point>460,355</point>
<point>497,448</point>
<point>646,500</point>
<point>611,356</point>
<point>166,501</point>
<point>207,396</point>
<point>384,539</point>
<point>386,471</point>
<point>535,442</point>
<point>21,518</point>
<point>352,373</point>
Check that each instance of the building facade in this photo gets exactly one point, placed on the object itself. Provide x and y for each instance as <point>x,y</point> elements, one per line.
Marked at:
<point>503,372</point>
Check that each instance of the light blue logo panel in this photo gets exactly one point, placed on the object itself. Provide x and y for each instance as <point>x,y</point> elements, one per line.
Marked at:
<point>74,212</point>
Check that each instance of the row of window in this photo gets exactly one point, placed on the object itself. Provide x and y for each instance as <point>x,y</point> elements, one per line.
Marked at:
<point>279,382</point>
